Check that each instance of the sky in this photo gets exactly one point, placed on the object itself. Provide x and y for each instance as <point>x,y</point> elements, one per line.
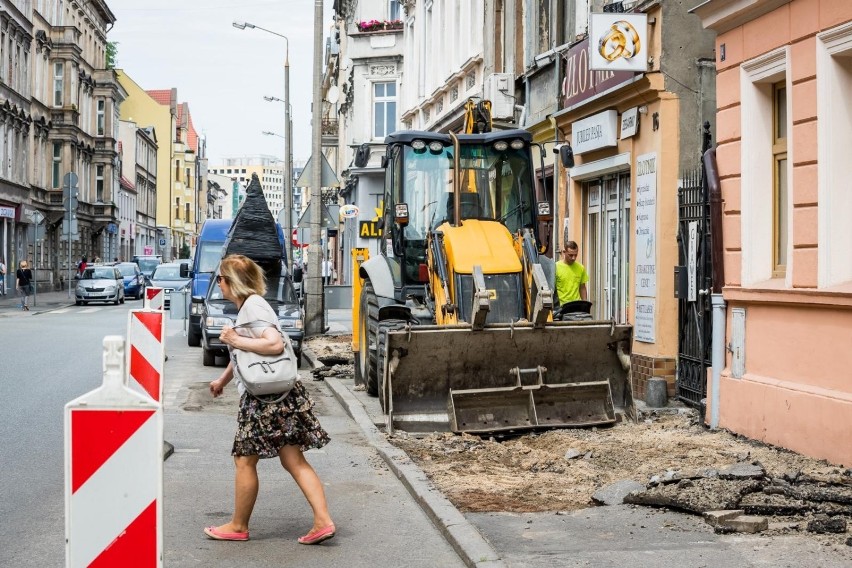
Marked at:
<point>223,72</point>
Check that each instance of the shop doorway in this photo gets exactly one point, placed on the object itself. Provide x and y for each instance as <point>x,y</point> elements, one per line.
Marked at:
<point>606,245</point>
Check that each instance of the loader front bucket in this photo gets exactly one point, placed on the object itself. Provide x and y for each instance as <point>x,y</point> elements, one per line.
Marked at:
<point>506,378</point>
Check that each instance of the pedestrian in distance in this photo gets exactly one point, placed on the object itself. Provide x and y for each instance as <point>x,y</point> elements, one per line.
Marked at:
<point>2,278</point>
<point>327,271</point>
<point>571,276</point>
<point>24,278</point>
<point>81,266</point>
<point>282,429</point>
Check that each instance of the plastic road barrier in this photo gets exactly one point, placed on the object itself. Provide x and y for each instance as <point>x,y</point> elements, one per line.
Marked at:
<point>113,473</point>
<point>154,298</point>
<point>146,352</point>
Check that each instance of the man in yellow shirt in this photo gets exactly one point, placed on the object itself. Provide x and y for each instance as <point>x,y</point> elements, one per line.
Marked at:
<point>571,276</point>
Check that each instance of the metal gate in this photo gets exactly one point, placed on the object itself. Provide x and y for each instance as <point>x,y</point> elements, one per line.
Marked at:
<point>693,279</point>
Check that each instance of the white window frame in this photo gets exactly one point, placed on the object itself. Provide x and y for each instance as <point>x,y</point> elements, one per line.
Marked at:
<point>58,83</point>
<point>834,190</point>
<point>383,101</point>
<point>394,6</point>
<point>756,159</point>
<point>57,165</point>
<point>101,120</point>
<point>99,183</point>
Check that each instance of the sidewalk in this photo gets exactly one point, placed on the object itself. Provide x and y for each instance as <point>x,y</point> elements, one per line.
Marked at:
<point>378,524</point>
<point>10,304</point>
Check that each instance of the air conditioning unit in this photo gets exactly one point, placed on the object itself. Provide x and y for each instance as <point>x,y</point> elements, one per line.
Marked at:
<point>499,88</point>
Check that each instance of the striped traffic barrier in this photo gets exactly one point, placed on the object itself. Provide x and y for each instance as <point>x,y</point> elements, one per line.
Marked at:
<point>146,352</point>
<point>113,472</point>
<point>154,298</point>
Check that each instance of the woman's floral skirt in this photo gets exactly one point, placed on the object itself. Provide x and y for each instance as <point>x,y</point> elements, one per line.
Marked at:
<point>263,429</point>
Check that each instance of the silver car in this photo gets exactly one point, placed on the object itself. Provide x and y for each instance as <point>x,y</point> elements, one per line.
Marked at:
<point>167,276</point>
<point>100,284</point>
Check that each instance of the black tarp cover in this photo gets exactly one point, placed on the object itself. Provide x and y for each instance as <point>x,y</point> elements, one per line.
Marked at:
<point>254,232</point>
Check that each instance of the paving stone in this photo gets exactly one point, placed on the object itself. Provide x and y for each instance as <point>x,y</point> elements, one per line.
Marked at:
<point>747,524</point>
<point>742,471</point>
<point>614,494</point>
<point>715,518</point>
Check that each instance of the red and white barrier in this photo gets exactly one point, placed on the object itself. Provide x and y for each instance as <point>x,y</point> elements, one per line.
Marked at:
<point>154,298</point>
<point>146,352</point>
<point>113,473</point>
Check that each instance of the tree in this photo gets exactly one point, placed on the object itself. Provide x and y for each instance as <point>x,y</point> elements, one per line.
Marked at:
<point>111,54</point>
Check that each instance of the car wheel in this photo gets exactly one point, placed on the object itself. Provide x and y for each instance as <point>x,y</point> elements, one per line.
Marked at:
<point>85,303</point>
<point>116,299</point>
<point>79,303</point>
<point>208,358</point>
<point>299,359</point>
<point>122,299</point>
<point>193,339</point>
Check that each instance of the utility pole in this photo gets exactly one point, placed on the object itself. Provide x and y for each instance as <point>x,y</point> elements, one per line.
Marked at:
<point>69,223</point>
<point>288,163</point>
<point>314,324</point>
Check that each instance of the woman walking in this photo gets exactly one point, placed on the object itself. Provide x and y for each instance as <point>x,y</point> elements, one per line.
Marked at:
<point>24,278</point>
<point>284,429</point>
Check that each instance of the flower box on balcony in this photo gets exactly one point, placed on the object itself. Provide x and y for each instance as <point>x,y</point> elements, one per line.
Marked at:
<point>366,26</point>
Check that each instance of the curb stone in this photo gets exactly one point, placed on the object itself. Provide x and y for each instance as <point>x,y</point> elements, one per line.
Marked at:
<point>474,550</point>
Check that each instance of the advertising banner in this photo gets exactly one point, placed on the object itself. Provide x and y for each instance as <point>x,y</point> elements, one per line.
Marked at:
<point>619,42</point>
<point>646,225</point>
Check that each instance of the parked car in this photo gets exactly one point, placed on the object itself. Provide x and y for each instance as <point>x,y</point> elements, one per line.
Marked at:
<point>147,263</point>
<point>100,283</point>
<point>167,276</point>
<point>217,312</point>
<point>134,280</point>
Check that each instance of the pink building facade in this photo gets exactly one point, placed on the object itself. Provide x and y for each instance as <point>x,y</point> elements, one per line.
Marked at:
<point>784,132</point>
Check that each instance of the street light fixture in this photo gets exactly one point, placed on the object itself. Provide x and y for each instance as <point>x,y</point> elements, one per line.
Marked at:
<point>288,138</point>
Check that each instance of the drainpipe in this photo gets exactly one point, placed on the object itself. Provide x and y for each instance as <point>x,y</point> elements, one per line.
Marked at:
<point>716,300</point>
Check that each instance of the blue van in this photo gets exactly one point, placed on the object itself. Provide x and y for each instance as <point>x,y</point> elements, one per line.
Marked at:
<point>208,252</point>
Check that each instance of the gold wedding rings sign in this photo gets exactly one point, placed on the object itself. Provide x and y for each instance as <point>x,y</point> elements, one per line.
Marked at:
<point>619,42</point>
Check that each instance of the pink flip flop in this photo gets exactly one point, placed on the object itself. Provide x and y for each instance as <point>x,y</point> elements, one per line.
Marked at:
<point>317,537</point>
<point>216,534</point>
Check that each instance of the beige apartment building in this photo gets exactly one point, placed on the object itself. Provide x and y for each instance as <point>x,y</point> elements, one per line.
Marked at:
<point>269,170</point>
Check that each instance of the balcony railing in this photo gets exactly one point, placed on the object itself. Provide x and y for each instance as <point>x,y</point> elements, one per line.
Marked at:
<point>329,127</point>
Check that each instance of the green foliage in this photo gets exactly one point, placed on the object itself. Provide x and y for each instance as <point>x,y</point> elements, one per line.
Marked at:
<point>111,54</point>
<point>184,251</point>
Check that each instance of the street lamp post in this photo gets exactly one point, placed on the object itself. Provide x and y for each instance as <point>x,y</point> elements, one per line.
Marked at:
<point>314,309</point>
<point>288,139</point>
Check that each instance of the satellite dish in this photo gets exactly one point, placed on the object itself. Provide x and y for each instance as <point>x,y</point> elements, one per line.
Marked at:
<point>333,94</point>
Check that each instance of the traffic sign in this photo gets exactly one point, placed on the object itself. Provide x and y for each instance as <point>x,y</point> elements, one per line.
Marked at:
<point>162,242</point>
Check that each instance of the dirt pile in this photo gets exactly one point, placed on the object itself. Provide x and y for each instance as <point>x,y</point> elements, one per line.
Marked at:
<point>680,464</point>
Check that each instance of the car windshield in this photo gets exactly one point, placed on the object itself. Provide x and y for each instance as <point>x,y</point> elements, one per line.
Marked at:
<point>209,255</point>
<point>99,272</point>
<point>147,264</point>
<point>283,292</point>
<point>127,269</point>
<point>164,272</point>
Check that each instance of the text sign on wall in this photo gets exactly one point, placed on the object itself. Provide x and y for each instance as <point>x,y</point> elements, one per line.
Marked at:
<point>646,225</point>
<point>645,320</point>
<point>8,212</point>
<point>629,123</point>
<point>595,132</point>
<point>581,83</point>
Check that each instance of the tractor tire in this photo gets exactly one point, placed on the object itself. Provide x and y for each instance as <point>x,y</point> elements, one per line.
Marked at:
<point>208,358</point>
<point>368,326</point>
<point>384,327</point>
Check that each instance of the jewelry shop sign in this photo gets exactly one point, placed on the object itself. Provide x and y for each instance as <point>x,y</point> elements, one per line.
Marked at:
<point>595,132</point>
<point>646,225</point>
<point>619,42</point>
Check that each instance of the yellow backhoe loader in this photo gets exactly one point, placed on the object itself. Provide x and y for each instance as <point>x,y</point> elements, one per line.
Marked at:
<point>453,325</point>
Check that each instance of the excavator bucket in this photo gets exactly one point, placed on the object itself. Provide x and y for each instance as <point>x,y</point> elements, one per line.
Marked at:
<point>506,378</point>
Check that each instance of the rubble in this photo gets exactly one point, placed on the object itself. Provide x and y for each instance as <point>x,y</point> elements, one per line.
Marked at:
<point>614,494</point>
<point>826,524</point>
